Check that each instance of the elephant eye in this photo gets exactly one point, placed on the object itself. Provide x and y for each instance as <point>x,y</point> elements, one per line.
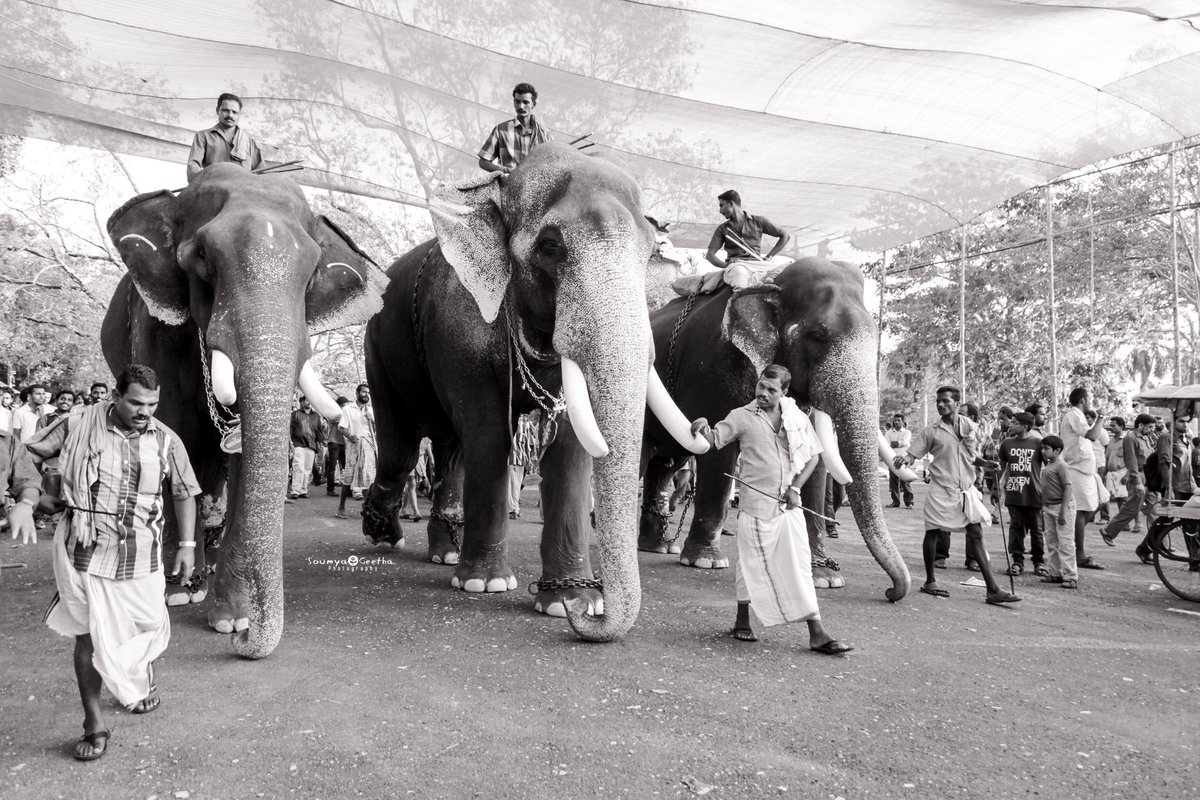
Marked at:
<point>550,248</point>
<point>200,254</point>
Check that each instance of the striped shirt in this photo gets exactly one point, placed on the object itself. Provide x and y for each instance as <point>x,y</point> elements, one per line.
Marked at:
<point>510,141</point>
<point>127,497</point>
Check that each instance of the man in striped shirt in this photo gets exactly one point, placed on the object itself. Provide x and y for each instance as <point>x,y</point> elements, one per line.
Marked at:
<point>510,141</point>
<point>115,458</point>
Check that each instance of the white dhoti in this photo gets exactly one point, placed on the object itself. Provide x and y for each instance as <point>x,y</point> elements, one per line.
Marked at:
<point>944,509</point>
<point>360,465</point>
<point>774,569</point>
<point>1085,490</point>
<point>127,620</point>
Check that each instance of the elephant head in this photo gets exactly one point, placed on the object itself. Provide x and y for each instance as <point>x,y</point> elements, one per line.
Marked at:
<point>243,258</point>
<point>812,320</point>
<point>558,251</point>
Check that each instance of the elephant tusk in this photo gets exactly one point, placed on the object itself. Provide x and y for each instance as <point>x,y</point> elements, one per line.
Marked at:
<point>310,384</point>
<point>671,417</point>
<point>579,409</point>
<point>888,456</point>
<point>223,387</point>
<point>823,425</point>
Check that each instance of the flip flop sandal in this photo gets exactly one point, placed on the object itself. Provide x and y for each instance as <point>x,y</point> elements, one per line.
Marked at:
<point>1000,599</point>
<point>936,591</point>
<point>1016,569</point>
<point>1040,570</point>
<point>146,704</point>
<point>832,648</point>
<point>1069,585</point>
<point>1089,563</point>
<point>743,634</point>
<point>1052,579</point>
<point>97,751</point>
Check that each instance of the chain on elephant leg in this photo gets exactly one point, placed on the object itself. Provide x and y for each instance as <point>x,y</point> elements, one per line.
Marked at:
<point>827,574</point>
<point>654,528</point>
<point>381,517</point>
<point>445,536</point>
<point>552,594</point>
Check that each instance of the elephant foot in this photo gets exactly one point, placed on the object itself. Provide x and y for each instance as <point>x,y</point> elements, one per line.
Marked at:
<point>445,539</point>
<point>706,556</point>
<point>381,518</point>
<point>192,590</point>
<point>223,618</point>
<point>550,597</point>
<point>827,574</point>
<point>654,529</point>
<point>476,579</point>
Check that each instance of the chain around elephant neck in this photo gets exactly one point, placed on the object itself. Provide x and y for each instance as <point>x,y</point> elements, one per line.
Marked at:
<point>551,405</point>
<point>223,427</point>
<point>687,309</point>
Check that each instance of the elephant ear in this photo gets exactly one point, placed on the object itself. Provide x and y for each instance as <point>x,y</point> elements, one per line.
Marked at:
<point>347,286</point>
<point>474,239</point>
<point>143,231</point>
<point>751,324</point>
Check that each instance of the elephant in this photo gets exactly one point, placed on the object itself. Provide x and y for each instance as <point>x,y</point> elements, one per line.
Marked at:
<point>534,284</point>
<point>225,283</point>
<point>810,318</point>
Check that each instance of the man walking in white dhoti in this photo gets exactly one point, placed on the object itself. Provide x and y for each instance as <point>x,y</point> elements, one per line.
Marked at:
<point>779,450</point>
<point>107,557</point>
<point>955,449</point>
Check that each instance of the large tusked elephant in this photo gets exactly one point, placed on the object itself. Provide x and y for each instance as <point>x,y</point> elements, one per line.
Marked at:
<point>533,279</point>
<point>811,320</point>
<point>240,261</point>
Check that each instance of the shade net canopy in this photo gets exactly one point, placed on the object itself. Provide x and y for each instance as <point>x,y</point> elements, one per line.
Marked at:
<point>863,124</point>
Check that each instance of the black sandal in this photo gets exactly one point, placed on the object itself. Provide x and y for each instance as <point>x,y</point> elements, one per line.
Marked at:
<point>90,739</point>
<point>832,648</point>
<point>743,634</point>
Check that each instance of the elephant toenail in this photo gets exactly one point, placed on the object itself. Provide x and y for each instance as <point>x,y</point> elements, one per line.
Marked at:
<point>242,624</point>
<point>223,626</point>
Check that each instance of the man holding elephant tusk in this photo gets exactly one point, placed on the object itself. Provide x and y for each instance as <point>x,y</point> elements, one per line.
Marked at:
<point>779,450</point>
<point>107,555</point>
<point>952,443</point>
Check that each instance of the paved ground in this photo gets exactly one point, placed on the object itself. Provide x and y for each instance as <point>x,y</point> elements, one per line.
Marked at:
<point>390,684</point>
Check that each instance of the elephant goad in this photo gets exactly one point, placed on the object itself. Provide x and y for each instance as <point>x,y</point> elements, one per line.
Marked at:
<point>241,261</point>
<point>810,319</point>
<point>536,282</point>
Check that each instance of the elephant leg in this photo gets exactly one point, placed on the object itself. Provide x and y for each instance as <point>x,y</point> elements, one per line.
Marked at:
<point>566,488</point>
<point>446,517</point>
<point>655,522</point>
<point>483,563</point>
<point>702,548</point>
<point>230,600</point>
<point>398,445</point>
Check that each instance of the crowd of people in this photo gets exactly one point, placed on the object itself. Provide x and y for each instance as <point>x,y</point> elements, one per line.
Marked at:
<point>1047,488</point>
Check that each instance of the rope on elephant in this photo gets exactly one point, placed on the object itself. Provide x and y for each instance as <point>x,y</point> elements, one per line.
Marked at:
<point>687,309</point>
<point>554,584</point>
<point>416,321</point>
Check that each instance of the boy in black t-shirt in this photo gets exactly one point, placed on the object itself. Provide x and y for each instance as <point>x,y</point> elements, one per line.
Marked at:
<point>1021,464</point>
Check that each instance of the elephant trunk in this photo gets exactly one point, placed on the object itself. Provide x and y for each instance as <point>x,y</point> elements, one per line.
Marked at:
<point>612,346</point>
<point>253,545</point>
<point>844,385</point>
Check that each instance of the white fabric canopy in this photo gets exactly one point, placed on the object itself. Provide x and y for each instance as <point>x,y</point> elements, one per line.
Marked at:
<point>867,123</point>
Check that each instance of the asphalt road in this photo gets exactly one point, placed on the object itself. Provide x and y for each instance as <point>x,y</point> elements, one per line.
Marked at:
<point>390,684</point>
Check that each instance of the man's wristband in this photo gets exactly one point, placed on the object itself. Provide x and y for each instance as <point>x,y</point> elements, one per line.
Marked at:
<point>187,544</point>
<point>28,502</point>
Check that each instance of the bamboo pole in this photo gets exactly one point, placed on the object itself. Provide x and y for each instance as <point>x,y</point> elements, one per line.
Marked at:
<point>962,312</point>
<point>1177,374</point>
<point>1092,294</point>
<point>1053,404</point>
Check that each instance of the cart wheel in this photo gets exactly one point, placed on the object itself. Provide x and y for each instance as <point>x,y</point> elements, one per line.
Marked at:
<point>1177,558</point>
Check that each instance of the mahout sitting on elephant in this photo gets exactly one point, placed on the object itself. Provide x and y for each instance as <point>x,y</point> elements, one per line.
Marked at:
<point>535,283</point>
<point>710,348</point>
<point>234,273</point>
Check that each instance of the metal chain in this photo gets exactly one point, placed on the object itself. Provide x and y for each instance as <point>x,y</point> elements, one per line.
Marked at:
<point>222,426</point>
<point>825,562</point>
<point>687,504</point>
<point>455,526</point>
<point>687,309</point>
<point>553,584</point>
<point>551,405</point>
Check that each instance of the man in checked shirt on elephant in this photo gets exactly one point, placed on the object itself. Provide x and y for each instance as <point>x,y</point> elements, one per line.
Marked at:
<point>114,457</point>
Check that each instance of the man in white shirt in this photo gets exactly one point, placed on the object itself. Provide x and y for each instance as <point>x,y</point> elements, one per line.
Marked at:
<point>899,437</point>
<point>26,416</point>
